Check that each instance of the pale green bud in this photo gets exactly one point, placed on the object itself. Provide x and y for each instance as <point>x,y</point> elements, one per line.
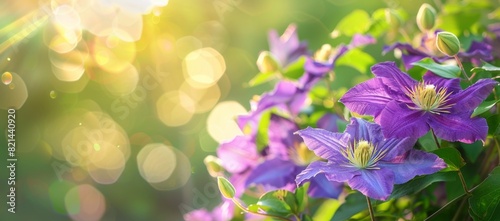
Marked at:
<point>267,62</point>
<point>426,17</point>
<point>225,187</point>
<point>214,165</point>
<point>393,18</point>
<point>447,43</point>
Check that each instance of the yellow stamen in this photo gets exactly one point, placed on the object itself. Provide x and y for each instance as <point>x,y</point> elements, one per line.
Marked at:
<point>323,54</point>
<point>363,155</point>
<point>426,98</point>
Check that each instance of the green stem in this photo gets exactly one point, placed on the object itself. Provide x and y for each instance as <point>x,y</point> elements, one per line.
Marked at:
<point>238,204</point>
<point>370,208</point>
<point>462,68</point>
<point>462,180</point>
<point>435,139</point>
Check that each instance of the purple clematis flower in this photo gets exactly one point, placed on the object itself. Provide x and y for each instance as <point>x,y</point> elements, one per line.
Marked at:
<point>287,157</point>
<point>405,107</point>
<point>324,60</point>
<point>365,160</point>
<point>223,212</point>
<point>286,48</point>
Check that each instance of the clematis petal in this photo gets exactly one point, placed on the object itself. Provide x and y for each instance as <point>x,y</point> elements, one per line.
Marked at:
<point>459,127</point>
<point>281,137</point>
<point>321,187</point>
<point>285,93</point>
<point>389,70</point>
<point>395,148</point>
<point>324,143</point>
<point>362,130</point>
<point>376,184</point>
<point>275,172</point>
<point>333,172</point>
<point>370,97</point>
<point>359,40</point>
<point>413,163</point>
<point>330,122</point>
<point>452,85</point>
<point>398,121</point>
<point>468,99</point>
<point>238,154</point>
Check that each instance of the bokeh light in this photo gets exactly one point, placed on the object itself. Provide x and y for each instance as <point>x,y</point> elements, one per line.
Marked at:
<point>203,67</point>
<point>13,90</point>
<point>221,123</point>
<point>163,167</point>
<point>85,203</point>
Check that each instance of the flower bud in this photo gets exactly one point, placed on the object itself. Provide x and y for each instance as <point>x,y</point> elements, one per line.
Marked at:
<point>447,43</point>
<point>225,187</point>
<point>267,62</point>
<point>392,18</point>
<point>213,165</point>
<point>426,17</point>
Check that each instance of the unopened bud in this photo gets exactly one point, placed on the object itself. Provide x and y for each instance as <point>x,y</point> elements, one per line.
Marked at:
<point>393,18</point>
<point>225,187</point>
<point>447,43</point>
<point>214,165</point>
<point>426,17</point>
<point>324,53</point>
<point>267,62</point>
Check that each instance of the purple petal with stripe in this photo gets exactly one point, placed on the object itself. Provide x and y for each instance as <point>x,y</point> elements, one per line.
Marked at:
<point>398,121</point>
<point>459,127</point>
<point>325,144</point>
<point>376,184</point>
<point>370,97</point>
<point>413,163</point>
<point>468,99</point>
<point>389,70</point>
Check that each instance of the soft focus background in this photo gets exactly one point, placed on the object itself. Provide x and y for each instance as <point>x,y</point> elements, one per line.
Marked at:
<point>119,101</point>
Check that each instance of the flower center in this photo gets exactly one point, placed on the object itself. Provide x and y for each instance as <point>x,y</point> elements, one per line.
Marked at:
<point>301,155</point>
<point>363,155</point>
<point>323,54</point>
<point>426,98</point>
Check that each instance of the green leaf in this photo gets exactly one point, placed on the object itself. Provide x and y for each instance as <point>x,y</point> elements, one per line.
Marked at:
<point>446,71</point>
<point>354,203</point>
<point>419,183</point>
<point>261,78</point>
<point>357,21</point>
<point>295,70</point>
<point>473,150</point>
<point>449,210</point>
<point>327,209</point>
<point>225,187</point>
<point>485,200</point>
<point>278,202</point>
<point>486,67</point>
<point>451,157</point>
<point>427,142</point>
<point>301,197</point>
<point>262,138</point>
<point>483,107</point>
<point>356,59</point>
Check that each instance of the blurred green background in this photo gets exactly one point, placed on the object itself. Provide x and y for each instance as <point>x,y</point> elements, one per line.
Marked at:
<point>122,107</point>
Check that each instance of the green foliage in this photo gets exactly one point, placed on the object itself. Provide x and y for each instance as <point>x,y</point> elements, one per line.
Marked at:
<point>419,183</point>
<point>261,78</point>
<point>225,187</point>
<point>358,21</point>
<point>354,204</point>
<point>483,107</point>
<point>446,71</point>
<point>357,59</point>
<point>485,200</point>
<point>451,157</point>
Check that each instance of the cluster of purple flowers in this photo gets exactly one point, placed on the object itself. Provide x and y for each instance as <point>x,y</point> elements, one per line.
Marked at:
<point>369,157</point>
